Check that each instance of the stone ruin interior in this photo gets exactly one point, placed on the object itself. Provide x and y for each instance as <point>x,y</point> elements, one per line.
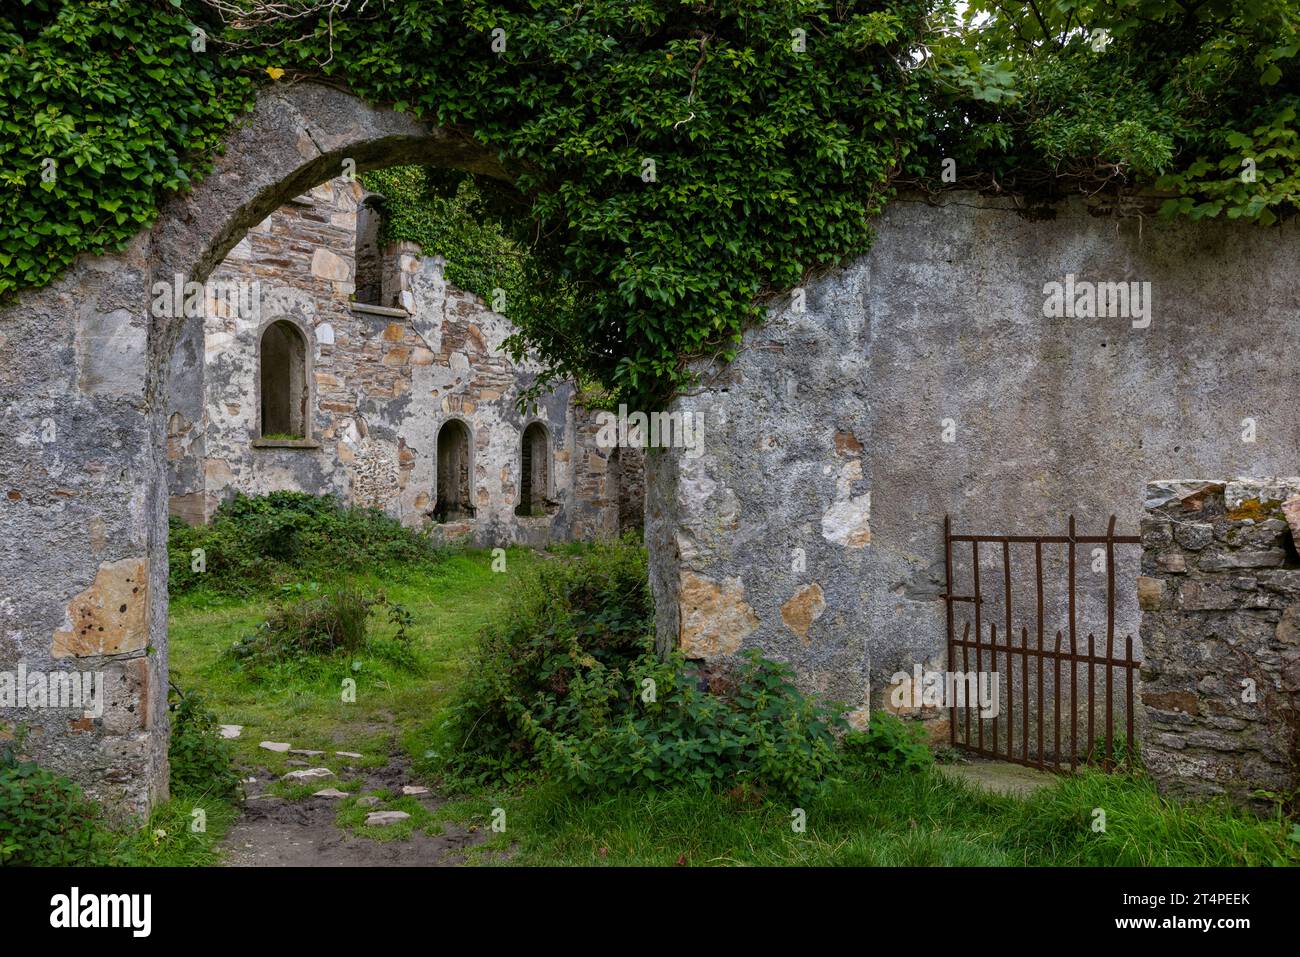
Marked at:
<point>340,367</point>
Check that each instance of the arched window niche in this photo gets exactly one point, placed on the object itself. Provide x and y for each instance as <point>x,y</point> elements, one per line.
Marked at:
<point>454,501</point>
<point>284,385</point>
<point>534,471</point>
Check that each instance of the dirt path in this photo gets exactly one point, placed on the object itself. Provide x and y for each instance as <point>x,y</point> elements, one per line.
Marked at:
<point>277,832</point>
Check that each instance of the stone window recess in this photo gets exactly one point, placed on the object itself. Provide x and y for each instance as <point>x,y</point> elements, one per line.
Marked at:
<point>535,472</point>
<point>370,266</point>
<point>284,382</point>
<point>454,501</point>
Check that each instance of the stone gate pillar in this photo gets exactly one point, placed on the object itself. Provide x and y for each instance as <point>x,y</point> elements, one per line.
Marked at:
<point>82,607</point>
<point>1220,599</point>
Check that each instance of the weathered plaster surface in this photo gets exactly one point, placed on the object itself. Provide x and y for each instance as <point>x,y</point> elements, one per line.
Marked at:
<point>825,462</point>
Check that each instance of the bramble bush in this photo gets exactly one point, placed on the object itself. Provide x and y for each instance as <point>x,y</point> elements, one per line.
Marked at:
<point>257,543</point>
<point>568,683</point>
<point>201,761</point>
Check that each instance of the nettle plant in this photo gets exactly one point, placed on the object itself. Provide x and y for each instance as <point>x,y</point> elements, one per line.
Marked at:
<point>676,164</point>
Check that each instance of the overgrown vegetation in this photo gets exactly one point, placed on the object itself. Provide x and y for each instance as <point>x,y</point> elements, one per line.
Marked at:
<point>874,818</point>
<point>449,214</point>
<point>568,682</point>
<point>259,543</point>
<point>45,820</point>
<point>671,163</point>
<point>889,744</point>
<point>1195,99</point>
<point>881,804</point>
<point>201,762</point>
<point>335,624</point>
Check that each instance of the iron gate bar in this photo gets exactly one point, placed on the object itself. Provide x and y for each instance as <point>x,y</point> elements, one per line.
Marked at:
<point>1040,652</point>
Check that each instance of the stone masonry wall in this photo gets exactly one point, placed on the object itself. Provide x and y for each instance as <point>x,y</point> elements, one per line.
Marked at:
<point>925,379</point>
<point>384,379</point>
<point>1220,597</point>
<point>85,364</point>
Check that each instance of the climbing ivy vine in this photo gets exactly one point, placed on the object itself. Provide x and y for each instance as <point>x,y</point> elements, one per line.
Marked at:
<point>105,107</point>
<point>676,163</point>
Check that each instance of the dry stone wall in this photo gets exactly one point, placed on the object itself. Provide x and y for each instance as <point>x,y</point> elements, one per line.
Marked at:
<point>1220,596</point>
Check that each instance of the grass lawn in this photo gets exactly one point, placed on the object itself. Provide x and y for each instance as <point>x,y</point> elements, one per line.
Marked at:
<point>917,818</point>
<point>304,705</point>
<point>892,819</point>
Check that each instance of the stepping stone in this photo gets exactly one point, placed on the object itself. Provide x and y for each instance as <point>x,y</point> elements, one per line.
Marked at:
<point>414,789</point>
<point>348,754</point>
<point>298,764</point>
<point>1000,777</point>
<point>330,793</point>
<point>311,774</point>
<point>310,754</point>
<point>385,818</point>
<point>230,730</point>
<point>276,746</point>
<point>369,801</point>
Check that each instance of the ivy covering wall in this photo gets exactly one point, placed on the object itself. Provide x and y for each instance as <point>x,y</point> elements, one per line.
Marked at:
<point>677,161</point>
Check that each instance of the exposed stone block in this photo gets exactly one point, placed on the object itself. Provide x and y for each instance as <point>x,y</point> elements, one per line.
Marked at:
<point>111,616</point>
<point>1221,676</point>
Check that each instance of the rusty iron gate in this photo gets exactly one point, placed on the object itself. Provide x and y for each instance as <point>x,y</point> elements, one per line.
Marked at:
<point>1027,745</point>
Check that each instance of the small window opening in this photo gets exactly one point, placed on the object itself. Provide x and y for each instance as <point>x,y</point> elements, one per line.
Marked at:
<point>284,382</point>
<point>534,473</point>
<point>370,266</point>
<point>454,502</point>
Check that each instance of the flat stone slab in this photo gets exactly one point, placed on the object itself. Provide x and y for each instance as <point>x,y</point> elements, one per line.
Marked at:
<point>329,793</point>
<point>310,754</point>
<point>348,754</point>
<point>311,774</point>
<point>1000,777</point>
<point>230,730</point>
<point>277,746</point>
<point>385,818</point>
<point>414,789</point>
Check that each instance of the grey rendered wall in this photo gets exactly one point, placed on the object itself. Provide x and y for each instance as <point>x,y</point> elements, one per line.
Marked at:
<point>828,432</point>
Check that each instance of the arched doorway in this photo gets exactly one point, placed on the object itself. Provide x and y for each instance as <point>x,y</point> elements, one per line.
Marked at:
<point>88,360</point>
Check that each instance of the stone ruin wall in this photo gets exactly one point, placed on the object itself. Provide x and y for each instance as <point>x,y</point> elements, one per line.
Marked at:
<point>384,378</point>
<point>1220,596</point>
<point>924,379</point>
<point>823,436</point>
